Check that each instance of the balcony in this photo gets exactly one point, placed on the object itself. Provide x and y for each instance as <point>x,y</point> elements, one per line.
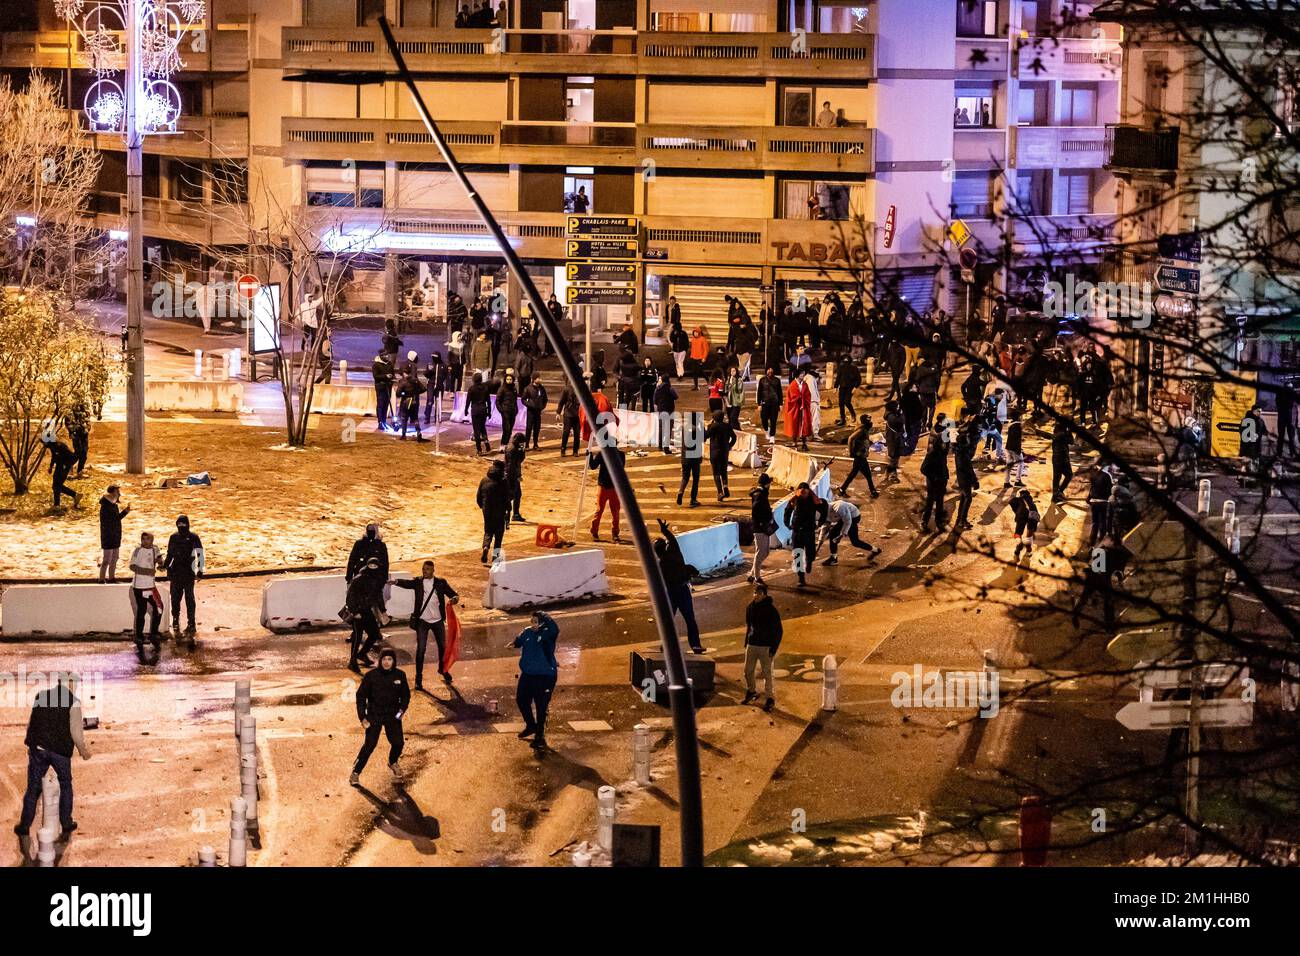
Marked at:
<point>197,137</point>
<point>226,50</point>
<point>1133,150</point>
<point>188,222</point>
<point>788,148</point>
<point>1059,147</point>
<point>1070,59</point>
<point>976,148</point>
<point>982,58</point>
<point>585,52</point>
<point>1074,233</point>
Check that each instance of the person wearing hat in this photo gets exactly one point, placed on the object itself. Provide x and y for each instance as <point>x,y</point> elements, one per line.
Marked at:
<point>363,605</point>
<point>370,545</point>
<point>184,566</point>
<point>382,699</point>
<point>409,391</point>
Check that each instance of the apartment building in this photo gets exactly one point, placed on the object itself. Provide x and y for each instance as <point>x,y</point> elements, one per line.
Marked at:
<point>761,145</point>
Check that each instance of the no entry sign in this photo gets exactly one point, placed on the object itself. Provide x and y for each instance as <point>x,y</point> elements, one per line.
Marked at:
<point>248,286</point>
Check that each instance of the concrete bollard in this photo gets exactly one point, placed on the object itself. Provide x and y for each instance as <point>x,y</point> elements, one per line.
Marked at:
<point>343,371</point>
<point>243,701</point>
<point>248,768</point>
<point>1229,511</point>
<point>1203,497</point>
<point>233,359</point>
<point>830,682</point>
<point>606,812</point>
<point>1162,472</point>
<point>869,379</point>
<point>238,833</point>
<point>641,755</point>
<point>45,843</point>
<point>198,363</point>
<point>581,857</point>
<point>207,856</point>
<point>1234,538</point>
<point>50,803</point>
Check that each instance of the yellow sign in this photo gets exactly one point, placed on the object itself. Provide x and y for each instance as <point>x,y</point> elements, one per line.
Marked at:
<point>1231,403</point>
<point>959,231</point>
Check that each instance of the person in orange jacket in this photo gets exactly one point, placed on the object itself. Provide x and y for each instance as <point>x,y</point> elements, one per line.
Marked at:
<point>701,349</point>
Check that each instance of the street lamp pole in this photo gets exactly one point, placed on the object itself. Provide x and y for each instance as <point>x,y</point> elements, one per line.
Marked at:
<point>134,246</point>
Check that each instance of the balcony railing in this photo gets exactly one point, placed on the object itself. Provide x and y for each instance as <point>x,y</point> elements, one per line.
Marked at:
<point>1060,147</point>
<point>536,133</point>
<point>1135,148</point>
<point>225,49</point>
<point>1070,58</point>
<point>192,222</point>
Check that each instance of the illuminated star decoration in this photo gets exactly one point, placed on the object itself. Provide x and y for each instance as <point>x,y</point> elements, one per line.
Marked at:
<point>106,112</point>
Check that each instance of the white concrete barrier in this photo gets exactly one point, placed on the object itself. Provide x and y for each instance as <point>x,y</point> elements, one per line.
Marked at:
<point>744,454</point>
<point>635,428</point>
<point>789,467</point>
<point>460,412</point>
<point>65,610</point>
<point>712,549</point>
<point>358,400</point>
<point>294,603</point>
<point>193,395</point>
<point>549,579</point>
<point>821,485</point>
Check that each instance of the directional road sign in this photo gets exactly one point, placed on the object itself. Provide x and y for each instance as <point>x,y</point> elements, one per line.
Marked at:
<point>1168,714</point>
<point>624,227</point>
<point>600,295</point>
<point>600,249</point>
<point>1179,279</point>
<point>600,272</point>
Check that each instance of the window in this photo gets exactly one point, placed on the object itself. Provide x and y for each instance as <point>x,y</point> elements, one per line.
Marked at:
<point>1153,91</point>
<point>1032,105</point>
<point>1033,195</point>
<point>973,109</point>
<point>1078,106</point>
<point>797,107</point>
<point>977,18</point>
<point>369,12</point>
<point>1077,187</point>
<point>328,184</point>
<point>820,199</point>
<point>1288,86</point>
<point>1029,14</point>
<point>826,16</point>
<point>972,194</point>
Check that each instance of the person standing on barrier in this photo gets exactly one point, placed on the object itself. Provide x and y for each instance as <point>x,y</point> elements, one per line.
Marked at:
<point>110,532</point>
<point>144,594</point>
<point>538,672</point>
<point>677,579</point>
<point>382,700</point>
<point>722,438</point>
<point>363,605</point>
<point>665,404</point>
<point>763,634</point>
<point>54,730</point>
<point>429,615</point>
<point>184,566</point>
<point>534,399</point>
<point>607,495</point>
<point>763,523</point>
<point>769,397</point>
<point>567,412</point>
<point>843,519</point>
<point>515,456</point>
<point>859,446</point>
<point>803,516</point>
<point>692,456</point>
<point>494,500</point>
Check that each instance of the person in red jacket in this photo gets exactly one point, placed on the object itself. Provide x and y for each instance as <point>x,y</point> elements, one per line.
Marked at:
<point>798,410</point>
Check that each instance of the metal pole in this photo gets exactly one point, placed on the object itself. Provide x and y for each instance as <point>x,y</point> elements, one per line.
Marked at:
<point>679,692</point>
<point>134,249</point>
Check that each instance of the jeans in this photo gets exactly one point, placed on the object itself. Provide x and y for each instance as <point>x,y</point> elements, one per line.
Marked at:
<point>108,564</point>
<point>768,414</point>
<point>934,491</point>
<point>718,462</point>
<point>533,696</point>
<point>478,424</point>
<point>39,760</point>
<point>507,428</point>
<point>494,528</point>
<point>182,587</point>
<point>383,399</point>
<point>756,656</point>
<point>533,428</point>
<point>679,596</point>
<point>691,473</point>
<point>422,629</point>
<point>392,727</point>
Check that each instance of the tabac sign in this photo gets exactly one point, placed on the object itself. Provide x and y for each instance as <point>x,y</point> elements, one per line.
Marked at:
<point>834,251</point>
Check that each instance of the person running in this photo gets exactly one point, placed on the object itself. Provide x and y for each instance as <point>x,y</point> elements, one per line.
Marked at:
<point>110,532</point>
<point>566,410</point>
<point>677,579</point>
<point>1062,473</point>
<point>722,438</point>
<point>1027,518</point>
<point>803,516</point>
<point>364,603</point>
<point>429,616</point>
<point>62,460</point>
<point>494,500</point>
<point>54,730</point>
<point>538,673</point>
<point>847,380</point>
<point>693,438</point>
<point>763,634</point>
<point>934,466</point>
<point>843,519</point>
<point>144,594</point>
<point>859,446</point>
<point>184,565</point>
<point>534,399</point>
<point>763,523</point>
<point>607,495</point>
<point>514,457</point>
<point>769,397</point>
<point>382,699</point>
<point>77,423</point>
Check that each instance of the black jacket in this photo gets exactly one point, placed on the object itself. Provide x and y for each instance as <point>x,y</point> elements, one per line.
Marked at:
<point>760,509</point>
<point>665,398</point>
<point>383,694</point>
<point>847,377</point>
<point>596,461</point>
<point>535,399</point>
<point>671,562</point>
<point>859,443</point>
<point>382,371</point>
<point>479,398</point>
<point>770,392</point>
<point>494,492</point>
<point>110,523</point>
<point>515,456</point>
<point>179,562</point>
<point>1061,442</point>
<point>763,624</point>
<point>722,438</point>
<point>363,551</point>
<point>441,588</point>
<point>568,405</point>
<point>1015,439</point>
<point>935,463</point>
<point>805,513</point>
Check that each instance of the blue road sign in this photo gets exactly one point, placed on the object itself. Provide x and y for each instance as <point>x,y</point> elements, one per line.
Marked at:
<point>1178,279</point>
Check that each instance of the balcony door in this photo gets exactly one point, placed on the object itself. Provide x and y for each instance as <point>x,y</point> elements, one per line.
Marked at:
<point>797,106</point>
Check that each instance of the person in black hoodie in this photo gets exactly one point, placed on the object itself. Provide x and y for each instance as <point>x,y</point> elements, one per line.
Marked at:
<point>677,579</point>
<point>382,699</point>
<point>1061,470</point>
<point>370,545</point>
<point>763,523</point>
<point>629,379</point>
<point>647,379</point>
<point>184,566</point>
<point>409,391</point>
<point>534,399</point>
<point>567,412</point>
<point>1027,518</point>
<point>771,396</point>
<point>383,373</point>
<point>1099,489</point>
<point>62,460</point>
<point>847,380</point>
<point>429,615</point>
<point>722,438</point>
<point>478,399</point>
<point>494,501</point>
<point>895,434</point>
<point>913,409</point>
<point>693,438</point>
<point>935,469</point>
<point>515,456</point>
<point>762,638</point>
<point>435,378</point>
<point>803,516</point>
<point>665,405</point>
<point>507,405</point>
<point>110,532</point>
<point>1015,448</point>
<point>859,446</point>
<point>364,603</point>
<point>967,480</point>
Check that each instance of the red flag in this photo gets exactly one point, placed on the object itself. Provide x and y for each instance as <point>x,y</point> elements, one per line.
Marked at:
<point>602,406</point>
<point>452,649</point>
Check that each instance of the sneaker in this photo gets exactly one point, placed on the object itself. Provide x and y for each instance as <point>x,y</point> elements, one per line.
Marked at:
<point>20,830</point>
<point>419,685</point>
<point>769,704</point>
<point>539,743</point>
<point>365,661</point>
<point>483,559</point>
<point>679,500</point>
<point>518,517</point>
<point>830,561</point>
<point>446,677</point>
<point>396,770</point>
<point>354,667</point>
<point>355,779</point>
<point>749,695</point>
<point>69,828</point>
<point>695,502</point>
<point>526,733</point>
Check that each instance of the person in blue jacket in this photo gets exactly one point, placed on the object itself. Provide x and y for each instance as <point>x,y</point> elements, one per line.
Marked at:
<point>538,671</point>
